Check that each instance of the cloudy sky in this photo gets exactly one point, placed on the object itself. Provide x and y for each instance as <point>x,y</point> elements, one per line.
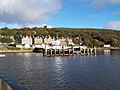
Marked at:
<point>61,13</point>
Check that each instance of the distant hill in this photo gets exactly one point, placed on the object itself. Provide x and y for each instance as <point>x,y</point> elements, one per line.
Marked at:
<point>89,36</point>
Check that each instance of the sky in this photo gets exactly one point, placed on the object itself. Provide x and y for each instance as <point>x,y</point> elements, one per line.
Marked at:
<point>60,13</point>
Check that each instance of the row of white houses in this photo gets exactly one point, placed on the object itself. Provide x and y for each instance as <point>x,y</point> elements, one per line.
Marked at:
<point>29,42</point>
<point>48,42</point>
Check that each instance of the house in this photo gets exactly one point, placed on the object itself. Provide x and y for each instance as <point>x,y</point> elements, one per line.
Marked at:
<point>107,45</point>
<point>62,43</point>
<point>27,41</point>
<point>7,40</point>
<point>48,40</point>
<point>70,41</point>
<point>38,40</point>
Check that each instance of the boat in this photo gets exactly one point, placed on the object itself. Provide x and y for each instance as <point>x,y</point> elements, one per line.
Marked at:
<point>2,55</point>
<point>6,84</point>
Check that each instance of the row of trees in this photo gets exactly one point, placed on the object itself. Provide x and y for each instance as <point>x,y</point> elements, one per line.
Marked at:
<point>89,37</point>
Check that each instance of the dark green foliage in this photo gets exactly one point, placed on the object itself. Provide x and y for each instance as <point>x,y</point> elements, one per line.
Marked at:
<point>76,41</point>
<point>90,37</point>
<point>5,40</point>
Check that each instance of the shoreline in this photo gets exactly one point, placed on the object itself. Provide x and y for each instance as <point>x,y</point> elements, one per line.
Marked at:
<point>110,48</point>
<point>31,51</point>
<point>16,51</point>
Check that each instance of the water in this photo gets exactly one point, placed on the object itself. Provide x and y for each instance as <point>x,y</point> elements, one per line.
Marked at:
<point>35,72</point>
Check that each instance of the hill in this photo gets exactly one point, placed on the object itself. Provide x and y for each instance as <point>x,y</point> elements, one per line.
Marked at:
<point>89,36</point>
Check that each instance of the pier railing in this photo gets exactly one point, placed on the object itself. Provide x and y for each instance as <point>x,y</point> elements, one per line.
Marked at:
<point>69,52</point>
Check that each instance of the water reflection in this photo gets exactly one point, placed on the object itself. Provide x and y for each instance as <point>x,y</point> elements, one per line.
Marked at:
<point>60,71</point>
<point>107,52</point>
<point>28,64</point>
<point>27,54</point>
<point>58,62</point>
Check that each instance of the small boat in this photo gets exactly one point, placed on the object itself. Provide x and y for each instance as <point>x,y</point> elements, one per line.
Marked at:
<point>6,84</point>
<point>2,55</point>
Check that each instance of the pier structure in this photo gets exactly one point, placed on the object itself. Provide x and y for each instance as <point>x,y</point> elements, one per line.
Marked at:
<point>69,51</point>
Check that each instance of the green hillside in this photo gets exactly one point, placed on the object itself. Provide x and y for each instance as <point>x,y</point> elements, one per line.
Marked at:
<point>90,37</point>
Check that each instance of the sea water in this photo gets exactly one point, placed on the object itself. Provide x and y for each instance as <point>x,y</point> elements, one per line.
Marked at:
<point>32,71</point>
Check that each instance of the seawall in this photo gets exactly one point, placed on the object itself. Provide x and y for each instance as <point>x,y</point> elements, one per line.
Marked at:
<point>15,51</point>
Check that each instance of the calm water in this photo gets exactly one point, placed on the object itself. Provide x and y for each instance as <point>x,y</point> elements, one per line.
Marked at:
<point>34,72</point>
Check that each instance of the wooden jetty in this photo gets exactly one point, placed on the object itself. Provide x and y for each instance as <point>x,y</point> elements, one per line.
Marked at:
<point>69,52</point>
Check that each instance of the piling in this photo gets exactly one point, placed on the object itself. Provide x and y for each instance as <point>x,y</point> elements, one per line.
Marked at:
<point>68,52</point>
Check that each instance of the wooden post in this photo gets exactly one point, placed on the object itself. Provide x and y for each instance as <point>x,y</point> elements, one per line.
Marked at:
<point>84,51</point>
<point>72,50</point>
<point>55,52</point>
<point>95,50</point>
<point>45,50</point>
<point>91,51</point>
<point>50,52</point>
<point>63,52</point>
<point>80,51</point>
<point>69,52</point>
<point>88,51</point>
<point>59,51</point>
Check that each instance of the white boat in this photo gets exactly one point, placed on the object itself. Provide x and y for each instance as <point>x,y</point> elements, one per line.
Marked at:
<point>2,55</point>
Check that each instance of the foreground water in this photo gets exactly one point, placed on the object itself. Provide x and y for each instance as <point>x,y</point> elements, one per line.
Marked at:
<point>35,72</point>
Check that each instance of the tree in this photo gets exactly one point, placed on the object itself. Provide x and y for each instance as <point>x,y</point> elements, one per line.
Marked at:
<point>5,40</point>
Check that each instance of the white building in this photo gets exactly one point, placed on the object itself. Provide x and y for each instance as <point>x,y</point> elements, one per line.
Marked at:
<point>107,46</point>
<point>70,42</point>
<point>62,43</point>
<point>38,40</point>
<point>27,42</point>
<point>48,40</point>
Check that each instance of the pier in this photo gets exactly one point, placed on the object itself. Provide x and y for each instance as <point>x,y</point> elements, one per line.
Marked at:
<point>69,52</point>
